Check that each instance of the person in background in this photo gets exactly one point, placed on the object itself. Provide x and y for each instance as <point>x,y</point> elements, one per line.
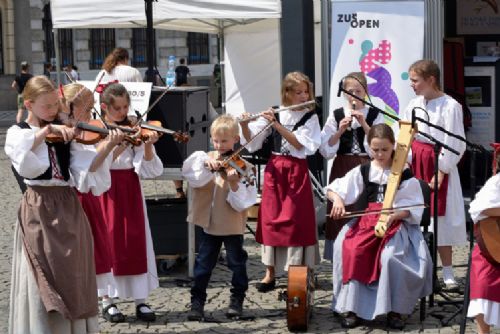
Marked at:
<point>116,67</point>
<point>344,138</point>
<point>181,73</point>
<point>18,84</point>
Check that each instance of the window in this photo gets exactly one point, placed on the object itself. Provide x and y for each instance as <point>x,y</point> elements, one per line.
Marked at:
<point>197,48</point>
<point>65,40</point>
<point>139,47</point>
<point>102,42</point>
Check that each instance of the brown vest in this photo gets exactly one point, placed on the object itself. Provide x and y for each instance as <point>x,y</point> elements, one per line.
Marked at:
<point>210,210</point>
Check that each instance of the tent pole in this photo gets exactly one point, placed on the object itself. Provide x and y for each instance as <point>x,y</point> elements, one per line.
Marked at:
<point>325,65</point>
<point>58,57</point>
<point>221,64</point>
<point>150,75</point>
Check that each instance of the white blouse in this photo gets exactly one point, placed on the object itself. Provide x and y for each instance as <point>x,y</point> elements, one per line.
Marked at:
<point>331,128</point>
<point>488,197</point>
<point>123,73</point>
<point>31,163</point>
<point>443,111</point>
<point>195,172</point>
<point>350,187</point>
<point>133,157</point>
<point>308,135</point>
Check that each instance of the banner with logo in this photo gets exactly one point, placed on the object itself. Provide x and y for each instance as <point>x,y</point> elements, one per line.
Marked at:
<point>381,39</point>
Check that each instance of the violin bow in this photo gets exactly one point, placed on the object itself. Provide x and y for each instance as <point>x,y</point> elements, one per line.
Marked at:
<point>140,119</point>
<point>361,213</point>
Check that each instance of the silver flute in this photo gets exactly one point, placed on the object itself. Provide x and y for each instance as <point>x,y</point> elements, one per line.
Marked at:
<point>303,105</point>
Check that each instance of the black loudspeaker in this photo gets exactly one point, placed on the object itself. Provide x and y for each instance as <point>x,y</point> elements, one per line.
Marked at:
<point>169,229</point>
<point>183,109</point>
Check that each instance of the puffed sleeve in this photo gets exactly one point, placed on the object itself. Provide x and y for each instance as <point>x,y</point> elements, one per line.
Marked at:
<point>329,129</point>
<point>18,147</point>
<point>309,135</point>
<point>349,187</point>
<point>194,171</point>
<point>255,127</point>
<point>147,169</point>
<point>243,198</point>
<point>488,197</point>
<point>81,158</point>
<point>453,122</point>
<point>410,193</point>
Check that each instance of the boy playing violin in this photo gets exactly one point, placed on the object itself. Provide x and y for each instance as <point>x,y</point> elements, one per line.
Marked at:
<point>219,204</point>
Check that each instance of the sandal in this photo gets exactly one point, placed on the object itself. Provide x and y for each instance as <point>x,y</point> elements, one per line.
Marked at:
<point>114,318</point>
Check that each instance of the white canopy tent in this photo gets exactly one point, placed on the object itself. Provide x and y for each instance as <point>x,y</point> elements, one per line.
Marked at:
<point>248,32</point>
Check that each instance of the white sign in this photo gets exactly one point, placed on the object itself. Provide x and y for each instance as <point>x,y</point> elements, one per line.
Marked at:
<point>481,100</point>
<point>139,92</point>
<point>381,39</point>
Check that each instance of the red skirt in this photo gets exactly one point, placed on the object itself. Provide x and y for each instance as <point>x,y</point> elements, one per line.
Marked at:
<point>484,278</point>
<point>286,214</point>
<point>123,210</point>
<point>102,252</point>
<point>361,249</point>
<point>341,165</point>
<point>423,169</point>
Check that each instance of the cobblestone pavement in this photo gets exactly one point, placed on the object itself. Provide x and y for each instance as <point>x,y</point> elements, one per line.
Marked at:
<point>171,300</point>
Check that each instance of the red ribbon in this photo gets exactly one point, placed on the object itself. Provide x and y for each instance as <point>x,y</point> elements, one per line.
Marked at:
<point>101,87</point>
<point>496,151</point>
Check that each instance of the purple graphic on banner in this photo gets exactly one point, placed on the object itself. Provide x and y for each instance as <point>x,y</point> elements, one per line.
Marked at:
<point>371,63</point>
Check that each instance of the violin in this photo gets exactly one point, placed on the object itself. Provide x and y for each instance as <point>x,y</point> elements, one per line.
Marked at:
<point>146,129</point>
<point>235,162</point>
<point>89,133</point>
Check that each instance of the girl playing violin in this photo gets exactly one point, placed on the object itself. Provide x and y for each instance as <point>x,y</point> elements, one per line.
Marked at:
<point>485,275</point>
<point>287,221</point>
<point>344,138</point>
<point>124,209</point>
<point>219,205</point>
<point>78,102</point>
<point>374,276</point>
<point>53,272</point>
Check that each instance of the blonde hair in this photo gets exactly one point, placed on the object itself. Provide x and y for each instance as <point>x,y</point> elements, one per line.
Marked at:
<point>225,124</point>
<point>36,86</point>
<point>358,77</point>
<point>427,68</point>
<point>290,82</point>
<point>77,94</point>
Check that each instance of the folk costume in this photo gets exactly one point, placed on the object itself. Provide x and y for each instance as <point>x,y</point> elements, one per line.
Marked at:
<point>53,272</point>
<point>222,213</point>
<point>485,275</point>
<point>133,264</point>
<point>287,222</point>
<point>447,113</point>
<point>351,150</point>
<point>374,276</point>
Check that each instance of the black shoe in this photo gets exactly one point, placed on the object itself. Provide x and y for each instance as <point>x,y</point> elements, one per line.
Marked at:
<point>395,321</point>
<point>265,287</point>
<point>349,320</point>
<point>144,316</point>
<point>115,318</point>
<point>196,313</point>
<point>235,307</point>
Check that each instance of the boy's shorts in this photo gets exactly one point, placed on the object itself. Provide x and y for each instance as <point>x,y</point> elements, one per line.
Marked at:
<point>20,101</point>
